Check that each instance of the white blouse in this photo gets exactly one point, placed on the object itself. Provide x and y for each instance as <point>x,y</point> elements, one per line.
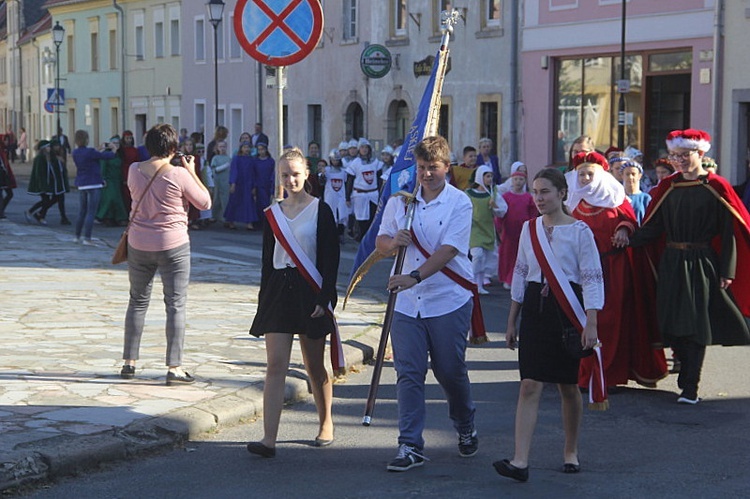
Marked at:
<point>305,229</point>
<point>575,250</point>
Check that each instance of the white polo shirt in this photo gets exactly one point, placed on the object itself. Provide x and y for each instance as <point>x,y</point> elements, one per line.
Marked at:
<point>446,220</point>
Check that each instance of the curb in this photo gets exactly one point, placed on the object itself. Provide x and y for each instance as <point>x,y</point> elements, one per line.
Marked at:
<point>57,457</point>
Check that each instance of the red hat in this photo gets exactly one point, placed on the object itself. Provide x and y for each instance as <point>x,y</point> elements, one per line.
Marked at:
<point>689,138</point>
<point>612,149</point>
<point>590,157</point>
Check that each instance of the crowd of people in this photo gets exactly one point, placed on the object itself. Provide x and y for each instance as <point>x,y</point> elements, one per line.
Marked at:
<point>672,267</point>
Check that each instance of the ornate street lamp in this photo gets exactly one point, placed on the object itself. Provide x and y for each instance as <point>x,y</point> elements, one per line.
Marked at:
<point>58,34</point>
<point>215,13</point>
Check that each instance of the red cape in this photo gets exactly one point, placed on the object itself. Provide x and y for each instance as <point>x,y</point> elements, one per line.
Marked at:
<point>720,188</point>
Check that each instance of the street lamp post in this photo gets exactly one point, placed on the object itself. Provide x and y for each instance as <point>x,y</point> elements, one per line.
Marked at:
<point>215,13</point>
<point>58,33</point>
<point>621,107</point>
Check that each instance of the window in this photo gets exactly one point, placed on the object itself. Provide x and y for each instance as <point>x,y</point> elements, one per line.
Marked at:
<point>491,16</point>
<point>315,124</point>
<point>159,39</point>
<point>220,40</point>
<point>139,43</point>
<point>70,53</point>
<point>199,117</point>
<point>112,49</point>
<point>444,125</point>
<point>114,120</point>
<point>350,20</point>
<point>399,18</point>
<point>438,7</point>
<point>94,51</point>
<point>355,121</point>
<point>174,36</point>
<point>489,118</point>
<point>235,51</point>
<point>200,40</point>
<point>587,102</point>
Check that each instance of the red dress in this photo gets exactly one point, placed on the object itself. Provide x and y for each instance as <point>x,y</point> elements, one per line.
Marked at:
<point>627,351</point>
<point>521,208</point>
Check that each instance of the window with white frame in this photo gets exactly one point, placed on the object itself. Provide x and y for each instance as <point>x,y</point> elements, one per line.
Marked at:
<point>174,36</point>
<point>138,39</point>
<point>350,20</point>
<point>199,117</point>
<point>492,11</point>
<point>159,39</point>
<point>113,49</point>
<point>220,40</point>
<point>70,53</point>
<point>438,7</point>
<point>235,51</point>
<point>94,52</point>
<point>399,18</point>
<point>200,39</point>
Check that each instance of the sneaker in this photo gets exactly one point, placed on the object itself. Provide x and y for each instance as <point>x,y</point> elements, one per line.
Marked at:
<point>482,291</point>
<point>685,398</point>
<point>506,285</point>
<point>39,219</point>
<point>88,242</point>
<point>77,240</point>
<point>468,443</point>
<point>408,457</point>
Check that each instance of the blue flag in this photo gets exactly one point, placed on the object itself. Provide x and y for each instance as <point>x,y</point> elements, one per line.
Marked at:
<point>403,174</point>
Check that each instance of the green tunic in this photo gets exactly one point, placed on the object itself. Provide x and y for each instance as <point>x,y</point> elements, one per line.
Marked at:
<point>111,205</point>
<point>689,299</point>
<point>482,223</point>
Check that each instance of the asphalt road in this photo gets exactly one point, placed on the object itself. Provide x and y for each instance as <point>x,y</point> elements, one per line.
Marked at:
<point>644,446</point>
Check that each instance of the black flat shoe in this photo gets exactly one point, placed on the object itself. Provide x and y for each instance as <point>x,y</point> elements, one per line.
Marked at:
<point>127,372</point>
<point>175,379</point>
<point>322,442</point>
<point>261,450</point>
<point>506,469</point>
<point>571,468</point>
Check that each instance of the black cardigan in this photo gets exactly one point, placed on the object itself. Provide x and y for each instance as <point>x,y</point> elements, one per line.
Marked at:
<point>326,258</point>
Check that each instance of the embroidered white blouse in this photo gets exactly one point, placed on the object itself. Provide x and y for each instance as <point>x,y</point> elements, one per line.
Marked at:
<point>575,250</point>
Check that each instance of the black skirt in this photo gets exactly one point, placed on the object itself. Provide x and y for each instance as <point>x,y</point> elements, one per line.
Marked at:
<point>285,304</point>
<point>541,354</point>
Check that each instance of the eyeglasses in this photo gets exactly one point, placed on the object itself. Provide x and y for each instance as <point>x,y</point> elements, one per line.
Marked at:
<point>681,156</point>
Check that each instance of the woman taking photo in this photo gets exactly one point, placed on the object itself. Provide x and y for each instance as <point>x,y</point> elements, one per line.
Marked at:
<point>158,241</point>
<point>297,296</point>
<point>543,357</point>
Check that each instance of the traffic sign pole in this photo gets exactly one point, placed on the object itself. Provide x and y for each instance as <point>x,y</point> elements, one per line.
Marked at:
<point>280,128</point>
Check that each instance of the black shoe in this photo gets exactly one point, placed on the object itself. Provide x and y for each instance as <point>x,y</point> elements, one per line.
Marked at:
<point>571,468</point>
<point>64,221</point>
<point>690,398</point>
<point>127,372</point>
<point>408,457</point>
<point>468,443</point>
<point>506,469</point>
<point>175,379</point>
<point>261,450</point>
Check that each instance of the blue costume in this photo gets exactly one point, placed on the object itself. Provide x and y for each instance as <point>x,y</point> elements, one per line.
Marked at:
<point>241,205</point>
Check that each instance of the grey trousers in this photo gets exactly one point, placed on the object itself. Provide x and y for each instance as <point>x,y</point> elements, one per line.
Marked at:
<point>174,267</point>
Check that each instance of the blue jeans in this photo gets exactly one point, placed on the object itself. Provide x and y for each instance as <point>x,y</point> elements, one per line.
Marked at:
<point>89,203</point>
<point>174,267</point>
<point>444,339</point>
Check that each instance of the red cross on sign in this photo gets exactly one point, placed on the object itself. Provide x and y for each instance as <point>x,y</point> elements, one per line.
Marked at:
<point>278,32</point>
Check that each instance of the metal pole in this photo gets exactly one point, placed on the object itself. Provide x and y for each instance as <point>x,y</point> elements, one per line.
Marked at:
<point>216,75</point>
<point>57,89</point>
<point>279,127</point>
<point>621,107</point>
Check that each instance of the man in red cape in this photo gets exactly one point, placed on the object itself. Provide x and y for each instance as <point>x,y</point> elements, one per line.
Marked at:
<point>700,232</point>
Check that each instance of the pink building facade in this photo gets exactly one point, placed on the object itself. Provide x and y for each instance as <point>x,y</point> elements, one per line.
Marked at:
<point>570,60</point>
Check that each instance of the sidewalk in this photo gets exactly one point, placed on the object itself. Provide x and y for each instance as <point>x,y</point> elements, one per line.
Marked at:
<point>63,406</point>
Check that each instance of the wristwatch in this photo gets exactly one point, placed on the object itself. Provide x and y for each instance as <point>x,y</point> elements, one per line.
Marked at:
<point>414,274</point>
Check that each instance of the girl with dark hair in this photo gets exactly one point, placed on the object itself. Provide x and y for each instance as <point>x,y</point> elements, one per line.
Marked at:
<point>543,358</point>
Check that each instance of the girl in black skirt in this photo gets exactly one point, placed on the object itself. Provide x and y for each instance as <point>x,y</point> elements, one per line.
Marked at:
<point>543,357</point>
<point>288,304</point>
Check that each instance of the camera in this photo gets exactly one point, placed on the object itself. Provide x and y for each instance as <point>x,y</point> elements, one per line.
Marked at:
<point>177,158</point>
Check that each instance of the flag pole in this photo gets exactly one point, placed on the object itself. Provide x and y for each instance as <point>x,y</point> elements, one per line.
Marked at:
<point>448,20</point>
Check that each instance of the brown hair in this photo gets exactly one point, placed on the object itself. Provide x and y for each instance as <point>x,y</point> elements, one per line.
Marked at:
<point>433,149</point>
<point>162,140</point>
<point>557,179</point>
<point>586,141</point>
<point>81,138</point>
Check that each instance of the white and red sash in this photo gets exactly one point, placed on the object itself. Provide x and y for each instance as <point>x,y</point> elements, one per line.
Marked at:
<point>569,303</point>
<point>310,272</point>
<point>476,326</point>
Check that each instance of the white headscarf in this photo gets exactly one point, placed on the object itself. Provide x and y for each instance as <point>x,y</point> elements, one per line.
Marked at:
<point>507,186</point>
<point>604,190</point>
<point>479,176</point>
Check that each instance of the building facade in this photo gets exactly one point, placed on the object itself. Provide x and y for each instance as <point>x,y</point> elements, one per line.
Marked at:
<point>570,51</point>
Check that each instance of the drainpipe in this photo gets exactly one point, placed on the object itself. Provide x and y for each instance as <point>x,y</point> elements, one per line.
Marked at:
<point>20,85</point>
<point>38,60</point>
<point>123,102</point>
<point>514,81</point>
<point>718,71</point>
